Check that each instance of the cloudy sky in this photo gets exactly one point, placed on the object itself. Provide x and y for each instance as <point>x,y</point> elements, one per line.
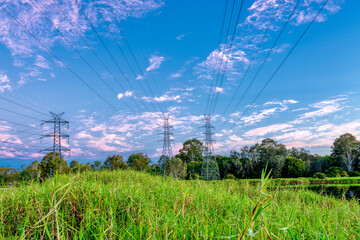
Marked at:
<point>269,68</point>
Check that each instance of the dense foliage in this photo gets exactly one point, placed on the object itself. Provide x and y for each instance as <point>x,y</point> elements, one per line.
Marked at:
<point>246,163</point>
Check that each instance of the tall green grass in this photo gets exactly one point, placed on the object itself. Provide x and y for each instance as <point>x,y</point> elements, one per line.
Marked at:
<point>136,205</point>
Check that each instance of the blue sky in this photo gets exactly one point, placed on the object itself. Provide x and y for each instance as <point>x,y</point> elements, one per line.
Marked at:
<point>174,51</point>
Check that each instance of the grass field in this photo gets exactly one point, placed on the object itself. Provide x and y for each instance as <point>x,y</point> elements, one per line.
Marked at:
<point>308,180</point>
<point>136,205</point>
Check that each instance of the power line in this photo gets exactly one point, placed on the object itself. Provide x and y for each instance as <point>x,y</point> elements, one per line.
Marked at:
<point>19,124</point>
<point>21,105</point>
<point>27,101</point>
<point>281,64</point>
<point>96,55</point>
<point>217,59</point>
<point>112,57</point>
<point>75,50</point>
<point>253,57</point>
<point>138,43</point>
<point>227,61</point>
<point>55,56</point>
<point>267,56</point>
<point>212,91</point>
<point>121,51</point>
<point>20,114</point>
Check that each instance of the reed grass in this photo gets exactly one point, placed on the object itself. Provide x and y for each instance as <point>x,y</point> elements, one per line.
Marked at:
<point>136,205</point>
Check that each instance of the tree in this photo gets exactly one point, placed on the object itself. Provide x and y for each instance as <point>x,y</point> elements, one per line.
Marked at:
<point>276,164</point>
<point>308,158</point>
<point>9,175</point>
<point>293,167</point>
<point>222,162</point>
<point>115,162</point>
<point>31,172</point>
<point>139,161</point>
<point>175,168</point>
<point>50,165</point>
<point>192,150</point>
<point>268,152</point>
<point>344,150</point>
<point>96,165</point>
<point>194,169</point>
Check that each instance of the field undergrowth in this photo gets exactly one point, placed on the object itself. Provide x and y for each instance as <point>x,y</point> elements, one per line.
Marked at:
<point>136,205</point>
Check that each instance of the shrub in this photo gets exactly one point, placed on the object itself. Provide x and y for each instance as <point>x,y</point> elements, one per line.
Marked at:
<point>336,172</point>
<point>319,175</point>
<point>354,174</point>
<point>230,176</point>
<point>293,167</point>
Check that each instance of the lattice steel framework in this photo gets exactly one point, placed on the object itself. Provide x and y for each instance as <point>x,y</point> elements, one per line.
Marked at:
<point>209,168</point>
<point>57,135</point>
<point>167,150</point>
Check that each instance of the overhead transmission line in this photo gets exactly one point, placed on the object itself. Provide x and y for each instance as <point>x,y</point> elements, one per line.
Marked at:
<point>19,124</point>
<point>113,58</point>
<point>21,105</point>
<point>138,43</point>
<point>219,57</point>
<point>253,56</point>
<point>227,60</point>
<point>27,101</point>
<point>75,50</point>
<point>20,114</point>
<point>280,65</point>
<point>266,58</point>
<point>126,60</point>
<point>97,56</point>
<point>62,62</point>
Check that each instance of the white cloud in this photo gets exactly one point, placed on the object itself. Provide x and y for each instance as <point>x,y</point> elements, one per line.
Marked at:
<point>262,131</point>
<point>139,77</point>
<point>206,68</point>
<point>178,73</point>
<point>155,62</point>
<point>219,89</point>
<point>4,82</point>
<point>163,98</point>
<point>324,108</point>
<point>181,36</point>
<point>125,94</point>
<point>41,62</point>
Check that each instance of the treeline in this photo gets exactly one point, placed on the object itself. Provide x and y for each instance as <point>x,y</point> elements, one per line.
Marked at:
<point>246,162</point>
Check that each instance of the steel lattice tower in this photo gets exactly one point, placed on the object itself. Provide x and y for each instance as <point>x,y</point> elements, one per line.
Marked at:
<point>209,168</point>
<point>167,150</point>
<point>57,135</point>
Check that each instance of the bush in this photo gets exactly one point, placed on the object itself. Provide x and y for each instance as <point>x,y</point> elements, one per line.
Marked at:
<point>336,172</point>
<point>230,176</point>
<point>319,175</point>
<point>293,167</point>
<point>354,174</point>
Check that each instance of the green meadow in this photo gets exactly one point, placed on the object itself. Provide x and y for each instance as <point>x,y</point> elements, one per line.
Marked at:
<point>136,205</point>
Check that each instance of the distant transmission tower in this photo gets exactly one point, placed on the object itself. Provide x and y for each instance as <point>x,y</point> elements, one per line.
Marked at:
<point>57,135</point>
<point>167,150</point>
<point>209,168</point>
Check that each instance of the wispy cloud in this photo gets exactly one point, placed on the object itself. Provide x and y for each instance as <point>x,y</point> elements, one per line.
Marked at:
<point>4,82</point>
<point>182,36</point>
<point>251,32</point>
<point>41,62</point>
<point>155,62</point>
<point>125,94</point>
<point>178,73</point>
<point>324,108</point>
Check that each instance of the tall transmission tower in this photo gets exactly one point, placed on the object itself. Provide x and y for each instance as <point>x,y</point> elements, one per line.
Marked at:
<point>209,168</point>
<point>57,135</point>
<point>167,150</point>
